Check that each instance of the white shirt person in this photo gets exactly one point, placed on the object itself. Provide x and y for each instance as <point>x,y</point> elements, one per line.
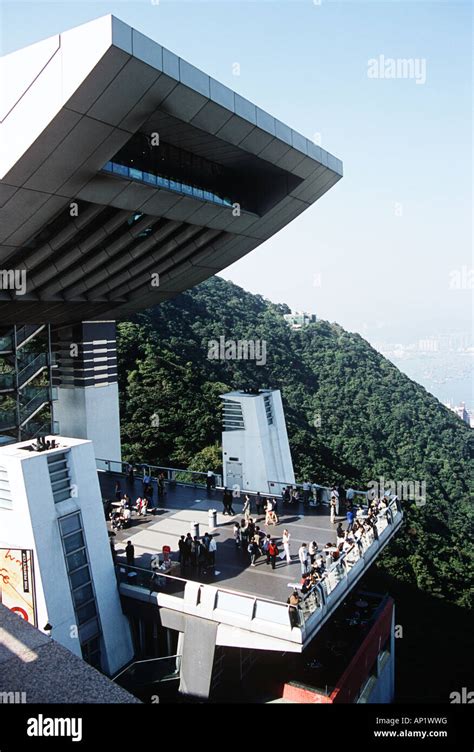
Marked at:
<point>286,545</point>
<point>303,557</point>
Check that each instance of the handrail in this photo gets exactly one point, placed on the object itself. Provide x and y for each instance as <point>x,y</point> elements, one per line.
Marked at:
<point>41,396</point>
<point>6,343</point>
<point>27,332</point>
<point>34,429</point>
<point>121,468</point>
<point>7,418</point>
<point>176,657</point>
<point>240,593</point>
<point>37,362</point>
<point>299,485</point>
<point>34,363</point>
<point>390,512</point>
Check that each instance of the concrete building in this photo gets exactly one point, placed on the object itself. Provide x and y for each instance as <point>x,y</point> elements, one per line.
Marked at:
<point>127,175</point>
<point>461,411</point>
<point>299,319</point>
<point>255,447</point>
<point>53,536</point>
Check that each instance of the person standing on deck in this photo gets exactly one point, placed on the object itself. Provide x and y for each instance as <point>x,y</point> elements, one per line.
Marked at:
<point>212,551</point>
<point>303,557</point>
<point>130,553</point>
<point>272,552</point>
<point>286,545</point>
<point>306,492</point>
<point>312,550</point>
<point>332,505</point>
<point>254,552</point>
<point>246,509</point>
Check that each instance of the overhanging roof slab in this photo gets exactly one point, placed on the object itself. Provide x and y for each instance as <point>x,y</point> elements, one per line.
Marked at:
<point>73,103</point>
<point>37,220</point>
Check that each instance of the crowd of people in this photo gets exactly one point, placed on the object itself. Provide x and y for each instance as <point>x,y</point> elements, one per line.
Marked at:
<point>268,507</point>
<point>316,565</point>
<point>198,553</point>
<point>310,495</point>
<point>253,543</point>
<point>120,511</point>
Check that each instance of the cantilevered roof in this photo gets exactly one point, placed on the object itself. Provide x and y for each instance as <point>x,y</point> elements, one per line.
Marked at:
<point>127,175</point>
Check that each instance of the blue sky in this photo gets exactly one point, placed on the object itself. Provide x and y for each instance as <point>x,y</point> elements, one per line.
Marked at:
<point>377,251</point>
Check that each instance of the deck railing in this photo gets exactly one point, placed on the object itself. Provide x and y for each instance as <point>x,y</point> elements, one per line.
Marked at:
<point>172,475</point>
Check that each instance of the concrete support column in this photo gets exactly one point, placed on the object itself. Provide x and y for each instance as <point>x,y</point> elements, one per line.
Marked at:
<point>85,376</point>
<point>198,649</point>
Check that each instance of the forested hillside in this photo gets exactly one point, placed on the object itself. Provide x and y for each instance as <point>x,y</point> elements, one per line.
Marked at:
<point>352,417</point>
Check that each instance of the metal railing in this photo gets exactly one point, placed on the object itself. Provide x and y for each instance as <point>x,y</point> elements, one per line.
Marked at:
<point>33,429</point>
<point>35,363</point>
<point>165,181</point>
<point>151,580</point>
<point>26,332</point>
<point>149,671</point>
<point>171,474</point>
<point>324,492</point>
<point>361,550</point>
<point>225,600</point>
<point>36,398</point>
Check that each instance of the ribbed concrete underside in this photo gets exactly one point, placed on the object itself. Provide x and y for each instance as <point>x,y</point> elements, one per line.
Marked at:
<point>93,244</point>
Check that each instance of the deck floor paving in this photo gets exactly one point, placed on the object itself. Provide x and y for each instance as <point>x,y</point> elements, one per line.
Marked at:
<point>183,505</point>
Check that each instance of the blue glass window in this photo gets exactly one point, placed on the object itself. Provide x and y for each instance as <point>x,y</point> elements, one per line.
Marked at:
<point>70,524</point>
<point>73,542</point>
<point>168,183</point>
<point>83,595</point>
<point>80,577</point>
<point>148,177</point>
<point>86,612</point>
<point>120,169</point>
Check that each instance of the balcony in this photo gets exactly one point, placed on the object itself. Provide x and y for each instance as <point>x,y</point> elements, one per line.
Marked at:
<point>248,605</point>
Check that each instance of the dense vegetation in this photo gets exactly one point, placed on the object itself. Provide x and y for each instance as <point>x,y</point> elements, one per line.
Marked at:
<point>352,417</point>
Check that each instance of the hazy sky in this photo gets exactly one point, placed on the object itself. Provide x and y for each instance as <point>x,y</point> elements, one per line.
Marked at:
<point>387,251</point>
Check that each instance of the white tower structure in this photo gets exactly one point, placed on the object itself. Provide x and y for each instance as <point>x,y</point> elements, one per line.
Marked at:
<point>85,377</point>
<point>55,558</point>
<point>255,448</point>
